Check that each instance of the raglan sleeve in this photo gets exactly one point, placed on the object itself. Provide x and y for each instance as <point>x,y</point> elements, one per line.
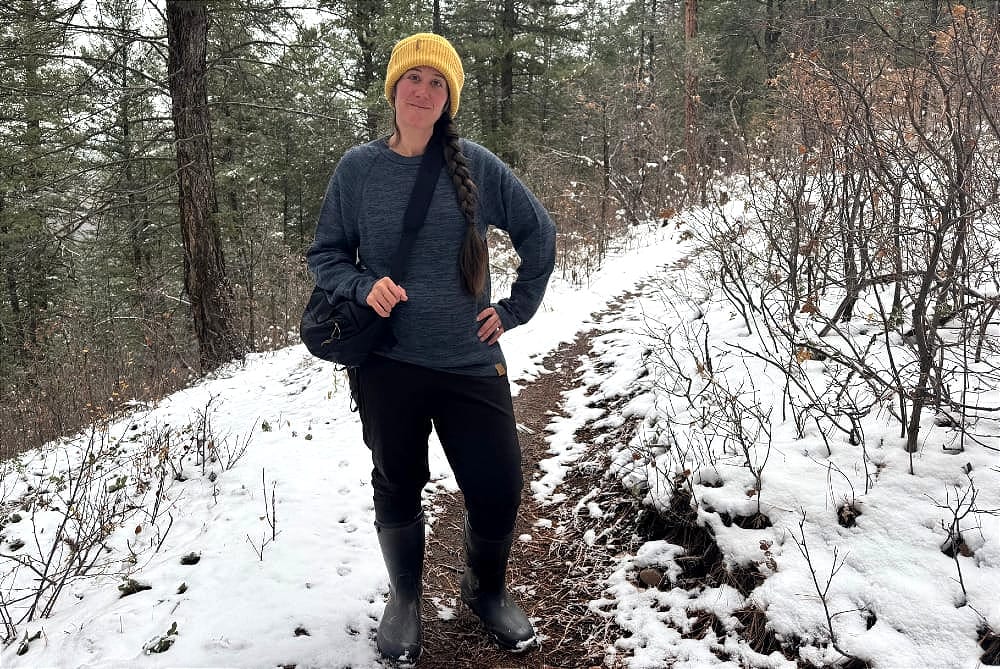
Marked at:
<point>332,257</point>
<point>533,236</point>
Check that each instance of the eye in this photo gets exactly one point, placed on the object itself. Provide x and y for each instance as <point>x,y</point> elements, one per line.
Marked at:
<point>437,83</point>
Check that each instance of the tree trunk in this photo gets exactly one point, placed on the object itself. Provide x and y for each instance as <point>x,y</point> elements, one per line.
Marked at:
<point>286,203</point>
<point>36,289</point>
<point>508,25</point>
<point>924,332</point>
<point>204,265</point>
<point>365,13</point>
<point>771,36</point>
<point>135,219</point>
<point>10,276</point>
<point>851,231</point>
<point>690,87</point>
<point>487,102</point>
<point>650,46</point>
<point>606,169</point>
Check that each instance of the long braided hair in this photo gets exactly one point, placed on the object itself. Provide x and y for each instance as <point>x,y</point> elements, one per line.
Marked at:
<point>473,259</point>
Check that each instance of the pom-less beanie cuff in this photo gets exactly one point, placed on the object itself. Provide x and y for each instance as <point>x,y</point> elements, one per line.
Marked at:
<point>428,50</point>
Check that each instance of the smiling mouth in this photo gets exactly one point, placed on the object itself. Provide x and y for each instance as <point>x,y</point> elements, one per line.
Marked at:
<point>418,106</point>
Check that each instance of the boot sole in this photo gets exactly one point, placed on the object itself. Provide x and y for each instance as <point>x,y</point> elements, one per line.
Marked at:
<point>404,662</point>
<point>407,659</point>
<point>519,648</point>
<point>515,649</point>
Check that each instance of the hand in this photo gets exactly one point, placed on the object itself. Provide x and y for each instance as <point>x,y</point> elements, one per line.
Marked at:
<point>384,296</point>
<point>491,328</point>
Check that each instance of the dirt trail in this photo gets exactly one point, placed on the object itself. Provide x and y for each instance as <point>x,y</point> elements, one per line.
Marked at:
<point>554,578</point>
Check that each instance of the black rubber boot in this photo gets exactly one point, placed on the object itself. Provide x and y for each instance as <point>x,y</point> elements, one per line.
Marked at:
<point>484,590</point>
<point>398,635</point>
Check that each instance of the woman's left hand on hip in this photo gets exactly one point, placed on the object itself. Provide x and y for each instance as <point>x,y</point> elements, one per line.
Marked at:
<point>490,327</point>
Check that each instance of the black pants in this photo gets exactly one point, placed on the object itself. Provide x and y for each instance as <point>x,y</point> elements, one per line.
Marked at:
<point>474,420</point>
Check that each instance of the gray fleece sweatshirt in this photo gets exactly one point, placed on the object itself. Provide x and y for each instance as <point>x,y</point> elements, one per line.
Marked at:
<point>362,219</point>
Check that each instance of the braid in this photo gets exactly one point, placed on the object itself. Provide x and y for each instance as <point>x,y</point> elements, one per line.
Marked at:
<point>458,168</point>
<point>474,256</point>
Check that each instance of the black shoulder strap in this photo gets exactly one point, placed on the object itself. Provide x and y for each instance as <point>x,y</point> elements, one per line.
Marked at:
<point>416,208</point>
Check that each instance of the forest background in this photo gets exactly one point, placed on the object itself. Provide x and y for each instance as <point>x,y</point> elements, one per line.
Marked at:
<point>162,164</point>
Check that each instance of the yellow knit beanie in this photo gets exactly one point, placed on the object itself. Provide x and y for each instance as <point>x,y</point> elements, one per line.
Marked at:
<point>430,50</point>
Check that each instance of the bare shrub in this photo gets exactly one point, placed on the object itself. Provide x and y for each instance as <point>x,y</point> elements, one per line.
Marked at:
<point>63,509</point>
<point>822,586</point>
<point>707,421</point>
<point>868,247</point>
<point>88,504</point>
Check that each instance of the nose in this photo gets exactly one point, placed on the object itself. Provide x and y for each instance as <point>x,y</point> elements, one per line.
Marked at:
<point>423,89</point>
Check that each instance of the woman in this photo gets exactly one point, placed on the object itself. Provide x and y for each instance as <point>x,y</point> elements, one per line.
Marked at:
<point>445,368</point>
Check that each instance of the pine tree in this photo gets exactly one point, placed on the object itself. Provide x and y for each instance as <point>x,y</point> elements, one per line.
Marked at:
<point>39,139</point>
<point>205,279</point>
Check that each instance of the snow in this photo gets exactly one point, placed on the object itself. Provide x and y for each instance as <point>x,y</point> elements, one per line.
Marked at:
<point>290,571</point>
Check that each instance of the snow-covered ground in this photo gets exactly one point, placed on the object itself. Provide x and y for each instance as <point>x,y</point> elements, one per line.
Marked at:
<point>287,568</point>
<point>894,598</point>
<point>310,595</point>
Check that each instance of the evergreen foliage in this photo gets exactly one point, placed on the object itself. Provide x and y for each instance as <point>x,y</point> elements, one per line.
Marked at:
<point>585,99</point>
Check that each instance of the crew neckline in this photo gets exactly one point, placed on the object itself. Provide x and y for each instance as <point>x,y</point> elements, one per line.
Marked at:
<point>383,145</point>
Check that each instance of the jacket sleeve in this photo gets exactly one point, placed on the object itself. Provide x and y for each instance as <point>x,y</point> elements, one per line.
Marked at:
<point>533,236</point>
<point>333,256</point>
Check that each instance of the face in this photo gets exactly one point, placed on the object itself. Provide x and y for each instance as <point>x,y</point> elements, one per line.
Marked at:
<point>421,96</point>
